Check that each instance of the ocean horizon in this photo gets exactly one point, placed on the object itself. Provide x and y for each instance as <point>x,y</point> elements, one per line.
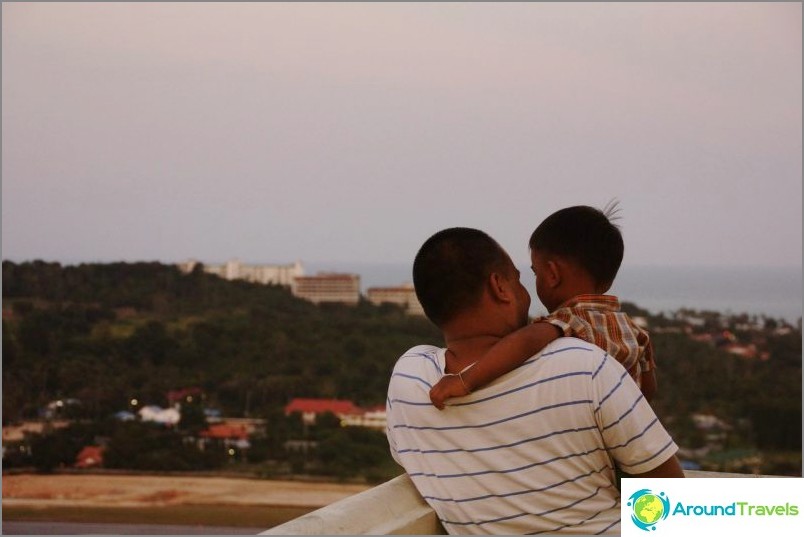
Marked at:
<point>774,292</point>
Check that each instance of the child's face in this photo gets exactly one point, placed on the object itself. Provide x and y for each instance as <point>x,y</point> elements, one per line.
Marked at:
<point>545,289</point>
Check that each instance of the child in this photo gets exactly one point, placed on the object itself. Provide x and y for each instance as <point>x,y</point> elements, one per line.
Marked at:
<point>575,255</point>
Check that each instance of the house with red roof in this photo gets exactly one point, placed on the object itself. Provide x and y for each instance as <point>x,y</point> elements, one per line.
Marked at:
<point>225,431</point>
<point>89,457</point>
<point>311,408</point>
<point>184,395</point>
<point>227,434</point>
<point>349,413</point>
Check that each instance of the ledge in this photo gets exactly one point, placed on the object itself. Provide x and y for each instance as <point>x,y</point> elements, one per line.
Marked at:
<point>392,508</point>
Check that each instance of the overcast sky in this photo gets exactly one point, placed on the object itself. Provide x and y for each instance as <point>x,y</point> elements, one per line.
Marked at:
<point>351,132</point>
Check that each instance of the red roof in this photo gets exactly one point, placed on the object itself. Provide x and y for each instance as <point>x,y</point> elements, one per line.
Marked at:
<point>224,430</point>
<point>180,395</point>
<point>89,456</point>
<point>319,406</point>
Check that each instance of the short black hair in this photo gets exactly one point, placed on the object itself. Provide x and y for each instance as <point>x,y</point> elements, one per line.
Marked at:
<point>584,235</point>
<point>451,268</point>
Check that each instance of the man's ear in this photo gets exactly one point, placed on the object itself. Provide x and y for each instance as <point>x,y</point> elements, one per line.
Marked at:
<point>555,272</point>
<point>500,288</point>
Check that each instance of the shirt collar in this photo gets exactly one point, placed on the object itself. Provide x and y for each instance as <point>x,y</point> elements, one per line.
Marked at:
<point>599,302</point>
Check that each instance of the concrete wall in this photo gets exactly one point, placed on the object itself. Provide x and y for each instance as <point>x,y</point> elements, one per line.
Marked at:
<point>394,507</point>
<point>391,508</point>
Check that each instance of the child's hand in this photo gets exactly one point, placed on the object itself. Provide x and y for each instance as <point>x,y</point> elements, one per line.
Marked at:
<point>449,386</point>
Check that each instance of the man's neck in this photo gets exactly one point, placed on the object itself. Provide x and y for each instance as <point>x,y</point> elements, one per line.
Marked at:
<point>464,351</point>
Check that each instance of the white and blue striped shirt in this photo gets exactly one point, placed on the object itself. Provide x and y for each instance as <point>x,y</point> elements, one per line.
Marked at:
<point>532,452</point>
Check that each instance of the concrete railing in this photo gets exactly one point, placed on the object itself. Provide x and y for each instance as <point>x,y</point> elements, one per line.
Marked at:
<point>394,507</point>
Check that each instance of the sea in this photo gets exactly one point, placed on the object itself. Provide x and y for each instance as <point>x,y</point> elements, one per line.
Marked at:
<point>770,292</point>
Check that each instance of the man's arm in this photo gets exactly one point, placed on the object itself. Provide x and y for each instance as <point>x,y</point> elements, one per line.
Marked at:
<point>669,468</point>
<point>633,434</point>
<point>505,356</point>
<point>647,380</point>
<point>648,384</point>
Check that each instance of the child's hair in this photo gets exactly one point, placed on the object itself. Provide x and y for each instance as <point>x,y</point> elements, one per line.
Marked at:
<point>586,236</point>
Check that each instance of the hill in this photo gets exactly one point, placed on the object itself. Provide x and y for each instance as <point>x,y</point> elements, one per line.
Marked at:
<point>106,333</point>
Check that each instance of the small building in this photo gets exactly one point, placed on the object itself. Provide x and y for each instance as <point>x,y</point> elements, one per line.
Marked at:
<point>184,395</point>
<point>264,274</point>
<point>89,457</point>
<point>21,431</point>
<point>403,295</point>
<point>349,414</point>
<point>164,416</point>
<point>125,415</point>
<point>252,426</point>
<point>229,435</point>
<point>744,351</point>
<point>328,287</point>
<point>311,408</point>
<point>371,418</point>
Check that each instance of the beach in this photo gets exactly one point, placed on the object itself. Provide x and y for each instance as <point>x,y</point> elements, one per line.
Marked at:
<point>194,501</point>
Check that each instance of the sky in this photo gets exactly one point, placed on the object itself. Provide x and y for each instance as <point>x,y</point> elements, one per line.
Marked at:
<point>272,132</point>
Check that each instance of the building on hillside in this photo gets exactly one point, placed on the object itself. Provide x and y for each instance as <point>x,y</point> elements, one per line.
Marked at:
<point>185,395</point>
<point>347,412</point>
<point>20,432</point>
<point>164,416</point>
<point>403,295</point>
<point>231,436</point>
<point>89,457</point>
<point>328,287</point>
<point>264,274</point>
<point>311,408</point>
<point>252,426</point>
<point>371,418</point>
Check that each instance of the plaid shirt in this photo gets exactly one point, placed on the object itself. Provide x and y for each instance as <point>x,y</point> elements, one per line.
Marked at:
<point>598,319</point>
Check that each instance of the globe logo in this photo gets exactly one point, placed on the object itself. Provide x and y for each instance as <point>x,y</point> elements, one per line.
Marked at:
<point>648,508</point>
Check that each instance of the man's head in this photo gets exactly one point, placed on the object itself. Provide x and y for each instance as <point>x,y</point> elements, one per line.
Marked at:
<point>455,267</point>
<point>583,239</point>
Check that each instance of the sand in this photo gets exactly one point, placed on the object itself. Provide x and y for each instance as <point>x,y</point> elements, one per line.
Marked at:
<point>151,491</point>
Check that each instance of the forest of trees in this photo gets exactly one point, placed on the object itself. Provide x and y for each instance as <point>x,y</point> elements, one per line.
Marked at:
<point>106,333</point>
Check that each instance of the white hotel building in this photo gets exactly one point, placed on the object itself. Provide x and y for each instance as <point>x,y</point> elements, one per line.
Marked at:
<point>264,274</point>
<point>323,287</point>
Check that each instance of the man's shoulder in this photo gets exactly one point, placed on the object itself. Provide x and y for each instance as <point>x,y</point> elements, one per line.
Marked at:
<point>417,354</point>
<point>571,350</point>
<point>570,345</point>
<point>422,349</point>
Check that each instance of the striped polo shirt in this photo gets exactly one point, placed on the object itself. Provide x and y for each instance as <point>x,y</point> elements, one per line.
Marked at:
<point>532,452</point>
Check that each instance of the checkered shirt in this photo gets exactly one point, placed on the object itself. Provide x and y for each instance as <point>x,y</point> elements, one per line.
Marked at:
<point>598,319</point>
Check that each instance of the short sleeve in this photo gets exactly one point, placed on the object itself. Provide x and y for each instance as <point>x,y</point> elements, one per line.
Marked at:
<point>631,431</point>
<point>569,324</point>
<point>648,360</point>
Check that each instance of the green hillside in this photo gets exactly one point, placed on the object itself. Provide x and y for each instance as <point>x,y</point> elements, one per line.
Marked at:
<point>106,333</point>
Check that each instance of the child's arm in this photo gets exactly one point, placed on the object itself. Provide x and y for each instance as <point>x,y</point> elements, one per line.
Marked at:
<point>647,381</point>
<point>506,355</point>
<point>648,384</point>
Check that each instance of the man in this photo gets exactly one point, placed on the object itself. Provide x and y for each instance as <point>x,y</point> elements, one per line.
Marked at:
<point>534,451</point>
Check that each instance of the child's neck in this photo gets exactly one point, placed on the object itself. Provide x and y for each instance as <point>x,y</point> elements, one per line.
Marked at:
<point>582,288</point>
